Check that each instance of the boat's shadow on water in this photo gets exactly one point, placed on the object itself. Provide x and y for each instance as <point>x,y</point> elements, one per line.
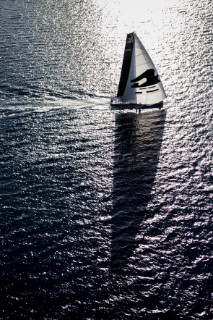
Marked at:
<point>138,139</point>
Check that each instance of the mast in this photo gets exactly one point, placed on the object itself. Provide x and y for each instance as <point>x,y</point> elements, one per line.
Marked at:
<point>126,64</point>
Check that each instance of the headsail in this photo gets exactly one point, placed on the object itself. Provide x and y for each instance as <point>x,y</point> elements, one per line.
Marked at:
<point>139,82</point>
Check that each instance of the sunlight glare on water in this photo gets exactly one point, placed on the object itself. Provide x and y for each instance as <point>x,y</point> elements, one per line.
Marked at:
<point>158,25</point>
<point>104,215</point>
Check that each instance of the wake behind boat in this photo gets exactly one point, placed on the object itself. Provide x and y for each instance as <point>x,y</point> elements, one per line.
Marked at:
<point>140,85</point>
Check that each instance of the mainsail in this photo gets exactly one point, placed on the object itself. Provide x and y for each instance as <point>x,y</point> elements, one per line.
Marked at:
<point>140,83</point>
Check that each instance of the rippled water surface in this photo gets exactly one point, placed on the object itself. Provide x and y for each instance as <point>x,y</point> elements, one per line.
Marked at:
<point>104,215</point>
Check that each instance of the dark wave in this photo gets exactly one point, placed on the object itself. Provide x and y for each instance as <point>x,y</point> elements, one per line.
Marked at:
<point>7,91</point>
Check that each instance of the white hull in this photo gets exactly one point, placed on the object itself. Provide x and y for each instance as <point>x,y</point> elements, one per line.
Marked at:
<point>122,105</point>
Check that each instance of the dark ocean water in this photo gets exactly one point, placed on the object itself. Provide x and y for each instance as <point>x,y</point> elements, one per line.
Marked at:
<point>104,215</point>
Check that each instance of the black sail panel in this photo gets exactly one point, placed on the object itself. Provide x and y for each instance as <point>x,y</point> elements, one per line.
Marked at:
<point>126,64</point>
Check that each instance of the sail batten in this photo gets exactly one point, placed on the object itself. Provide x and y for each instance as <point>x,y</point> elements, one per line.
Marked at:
<point>139,82</point>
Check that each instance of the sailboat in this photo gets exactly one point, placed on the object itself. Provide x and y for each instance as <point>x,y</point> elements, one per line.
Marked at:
<point>140,85</point>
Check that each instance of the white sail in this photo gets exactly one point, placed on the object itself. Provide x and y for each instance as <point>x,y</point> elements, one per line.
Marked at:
<point>140,83</point>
